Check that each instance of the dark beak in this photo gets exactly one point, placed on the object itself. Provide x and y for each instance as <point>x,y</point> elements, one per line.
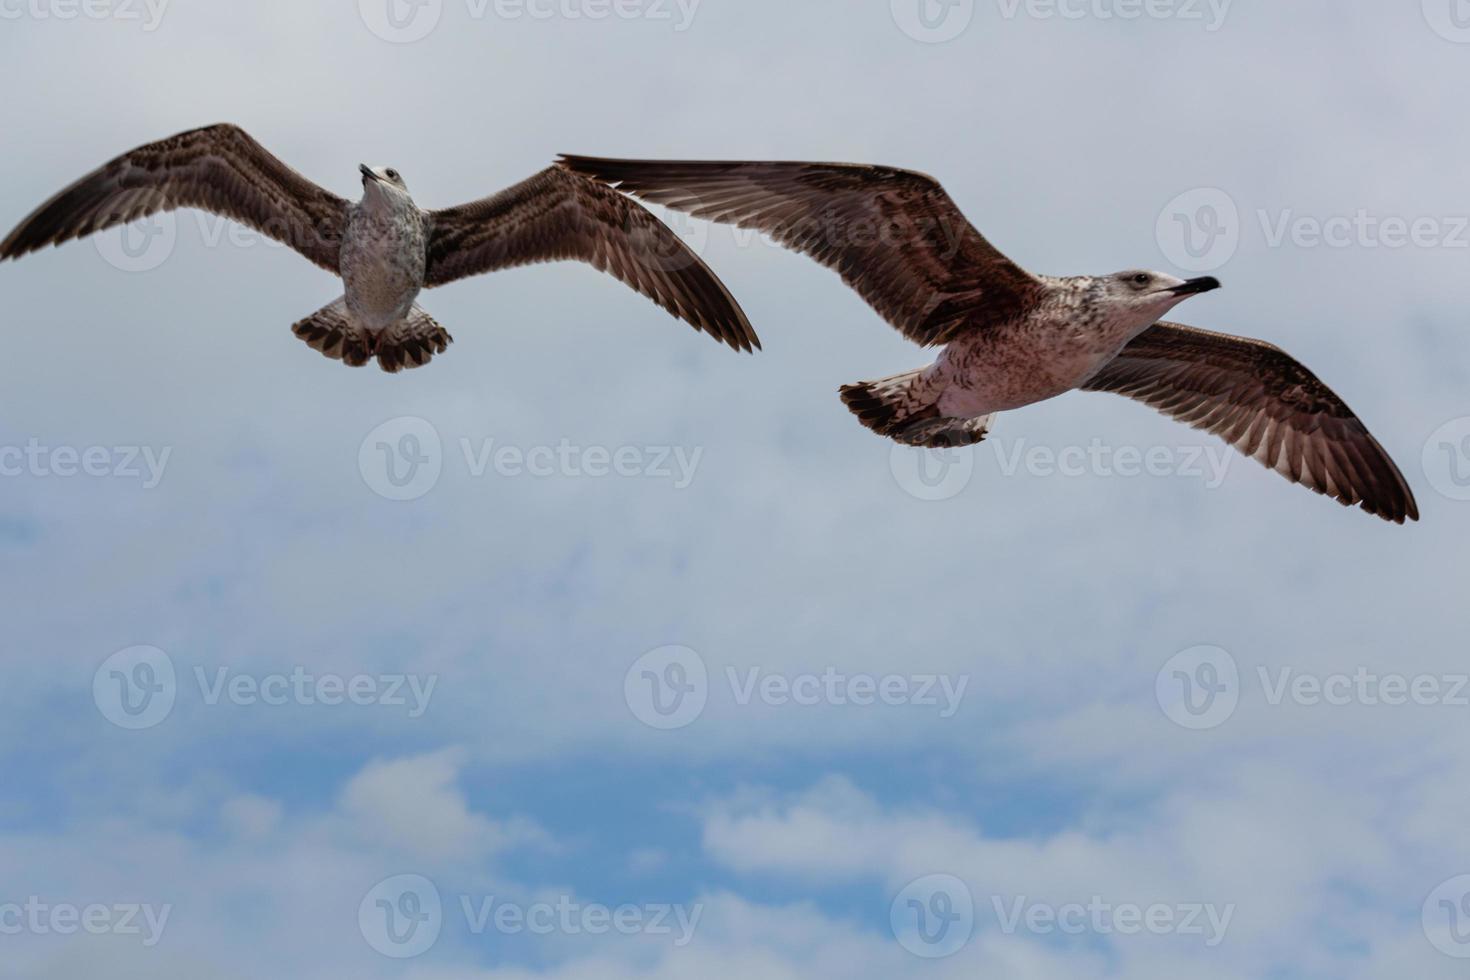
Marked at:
<point>367,172</point>
<point>1204,284</point>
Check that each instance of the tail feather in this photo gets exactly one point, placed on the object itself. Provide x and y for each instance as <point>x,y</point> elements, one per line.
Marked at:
<point>332,331</point>
<point>890,408</point>
<point>884,404</point>
<point>411,342</point>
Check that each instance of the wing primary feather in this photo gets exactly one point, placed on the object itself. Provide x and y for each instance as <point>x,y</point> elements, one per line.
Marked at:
<point>1268,406</point>
<point>558,215</point>
<point>218,168</point>
<point>893,235</point>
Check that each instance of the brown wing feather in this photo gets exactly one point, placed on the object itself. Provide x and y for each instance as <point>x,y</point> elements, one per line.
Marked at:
<point>1266,404</point>
<point>893,235</point>
<point>557,215</point>
<point>219,169</point>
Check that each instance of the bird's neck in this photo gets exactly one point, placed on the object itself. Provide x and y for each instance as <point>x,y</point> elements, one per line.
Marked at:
<point>381,203</point>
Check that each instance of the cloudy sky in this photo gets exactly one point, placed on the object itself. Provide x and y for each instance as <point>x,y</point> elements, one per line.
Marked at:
<point>667,667</point>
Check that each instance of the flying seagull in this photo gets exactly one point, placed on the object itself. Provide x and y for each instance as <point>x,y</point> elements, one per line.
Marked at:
<point>385,247</point>
<point>1012,338</point>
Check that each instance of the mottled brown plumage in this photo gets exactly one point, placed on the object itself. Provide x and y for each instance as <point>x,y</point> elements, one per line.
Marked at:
<point>385,247</point>
<point>1012,338</point>
<point>217,168</point>
<point>894,235</point>
<point>558,215</point>
<point>1266,404</point>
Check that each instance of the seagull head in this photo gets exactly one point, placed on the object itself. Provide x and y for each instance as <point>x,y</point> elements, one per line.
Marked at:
<point>382,180</point>
<point>1153,293</point>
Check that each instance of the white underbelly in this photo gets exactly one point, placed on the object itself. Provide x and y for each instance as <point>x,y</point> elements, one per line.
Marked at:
<point>1001,374</point>
<point>378,297</point>
<point>382,269</point>
<point>1001,393</point>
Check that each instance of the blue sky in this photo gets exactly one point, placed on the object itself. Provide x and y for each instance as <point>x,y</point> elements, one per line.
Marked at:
<point>1323,828</point>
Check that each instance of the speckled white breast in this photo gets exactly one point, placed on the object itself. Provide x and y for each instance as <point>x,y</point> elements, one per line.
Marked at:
<point>1055,349</point>
<point>382,264</point>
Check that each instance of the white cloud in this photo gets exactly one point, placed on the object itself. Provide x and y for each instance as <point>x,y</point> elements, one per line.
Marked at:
<point>414,805</point>
<point>1294,866</point>
<point>250,816</point>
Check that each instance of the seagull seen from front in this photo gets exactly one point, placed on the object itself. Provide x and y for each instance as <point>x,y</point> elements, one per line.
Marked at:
<point>385,247</point>
<point>1011,338</point>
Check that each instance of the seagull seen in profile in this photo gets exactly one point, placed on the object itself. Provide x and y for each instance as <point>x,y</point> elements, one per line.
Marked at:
<point>385,247</point>
<point>1011,338</point>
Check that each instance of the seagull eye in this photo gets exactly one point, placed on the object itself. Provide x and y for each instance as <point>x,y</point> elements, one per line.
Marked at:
<point>392,174</point>
<point>1142,279</point>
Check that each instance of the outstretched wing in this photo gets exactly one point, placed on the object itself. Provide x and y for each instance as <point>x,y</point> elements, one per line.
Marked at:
<point>558,215</point>
<point>1266,404</point>
<point>219,169</point>
<point>894,235</point>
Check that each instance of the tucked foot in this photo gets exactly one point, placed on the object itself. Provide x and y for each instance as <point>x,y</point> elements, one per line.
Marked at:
<point>944,433</point>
